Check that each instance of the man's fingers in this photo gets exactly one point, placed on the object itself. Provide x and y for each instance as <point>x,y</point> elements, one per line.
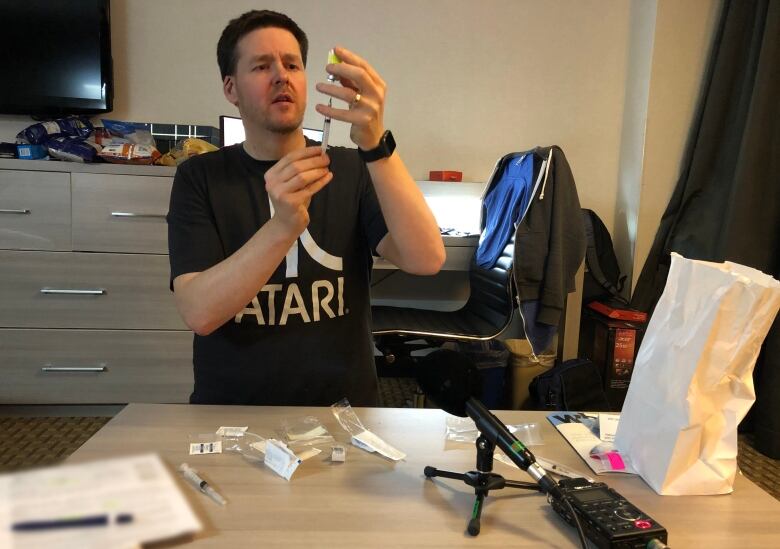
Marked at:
<point>294,156</point>
<point>359,117</point>
<point>304,179</point>
<point>317,186</point>
<point>344,93</point>
<point>304,165</point>
<point>352,58</point>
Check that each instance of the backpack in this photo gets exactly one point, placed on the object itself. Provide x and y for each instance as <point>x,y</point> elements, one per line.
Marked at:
<point>602,272</point>
<point>573,385</point>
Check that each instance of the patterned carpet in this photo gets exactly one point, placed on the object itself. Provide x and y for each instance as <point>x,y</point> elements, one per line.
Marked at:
<point>36,441</point>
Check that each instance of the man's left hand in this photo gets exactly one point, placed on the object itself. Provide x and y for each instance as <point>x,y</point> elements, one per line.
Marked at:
<point>364,90</point>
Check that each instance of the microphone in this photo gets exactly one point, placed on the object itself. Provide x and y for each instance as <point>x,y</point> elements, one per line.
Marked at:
<point>450,379</point>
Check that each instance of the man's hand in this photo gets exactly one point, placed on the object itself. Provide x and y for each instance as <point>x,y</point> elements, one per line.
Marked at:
<point>364,90</point>
<point>292,182</point>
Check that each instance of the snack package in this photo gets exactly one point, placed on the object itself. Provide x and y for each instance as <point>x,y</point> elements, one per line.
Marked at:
<point>193,146</point>
<point>73,126</point>
<point>185,149</point>
<point>127,153</point>
<point>128,132</point>
<point>72,149</point>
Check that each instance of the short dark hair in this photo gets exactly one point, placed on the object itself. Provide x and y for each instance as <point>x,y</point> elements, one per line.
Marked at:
<point>246,23</point>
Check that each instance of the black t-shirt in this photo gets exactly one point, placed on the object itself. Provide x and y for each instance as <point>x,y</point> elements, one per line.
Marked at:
<point>305,339</point>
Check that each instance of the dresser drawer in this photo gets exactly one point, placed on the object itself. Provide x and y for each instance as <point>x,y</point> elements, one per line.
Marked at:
<point>34,210</point>
<point>120,213</point>
<point>94,366</point>
<point>86,290</point>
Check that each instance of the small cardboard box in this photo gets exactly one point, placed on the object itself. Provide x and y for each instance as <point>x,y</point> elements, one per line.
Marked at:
<point>612,345</point>
<point>445,175</point>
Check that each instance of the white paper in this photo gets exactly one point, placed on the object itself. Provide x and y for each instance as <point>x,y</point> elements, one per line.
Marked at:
<point>578,430</point>
<point>138,485</point>
<point>608,424</point>
<point>547,465</point>
<point>373,443</point>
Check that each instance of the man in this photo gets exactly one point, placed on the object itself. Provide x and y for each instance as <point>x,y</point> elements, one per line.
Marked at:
<point>271,240</point>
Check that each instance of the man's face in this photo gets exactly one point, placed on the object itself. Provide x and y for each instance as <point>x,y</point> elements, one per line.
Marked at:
<point>269,85</point>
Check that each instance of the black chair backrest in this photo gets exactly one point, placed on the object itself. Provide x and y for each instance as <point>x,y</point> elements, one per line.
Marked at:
<point>492,291</point>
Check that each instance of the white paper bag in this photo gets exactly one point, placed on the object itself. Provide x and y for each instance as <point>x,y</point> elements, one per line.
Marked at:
<point>692,382</point>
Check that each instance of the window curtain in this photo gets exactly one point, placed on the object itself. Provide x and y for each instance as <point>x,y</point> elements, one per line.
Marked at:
<point>726,205</point>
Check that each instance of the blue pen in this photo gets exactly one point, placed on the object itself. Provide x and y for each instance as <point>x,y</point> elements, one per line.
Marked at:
<point>74,522</point>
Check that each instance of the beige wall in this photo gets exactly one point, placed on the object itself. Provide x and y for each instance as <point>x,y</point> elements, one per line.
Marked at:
<point>468,81</point>
<point>683,40</point>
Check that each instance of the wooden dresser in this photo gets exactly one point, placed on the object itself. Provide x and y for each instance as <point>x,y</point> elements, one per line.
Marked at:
<point>86,316</point>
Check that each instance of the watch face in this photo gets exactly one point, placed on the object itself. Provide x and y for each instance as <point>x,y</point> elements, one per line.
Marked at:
<point>385,148</point>
<point>389,142</point>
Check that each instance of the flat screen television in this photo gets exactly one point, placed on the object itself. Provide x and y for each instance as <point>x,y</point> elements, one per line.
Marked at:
<point>55,57</point>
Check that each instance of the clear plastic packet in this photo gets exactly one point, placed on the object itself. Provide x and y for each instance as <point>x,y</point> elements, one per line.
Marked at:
<point>362,437</point>
<point>249,445</point>
<point>347,417</point>
<point>135,133</point>
<point>463,429</point>
<point>304,431</point>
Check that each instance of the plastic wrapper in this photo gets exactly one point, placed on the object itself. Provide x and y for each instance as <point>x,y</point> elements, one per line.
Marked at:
<point>463,429</point>
<point>72,149</point>
<point>347,417</point>
<point>305,431</point>
<point>128,132</point>
<point>250,445</point>
<point>185,149</point>
<point>71,126</point>
<point>127,153</point>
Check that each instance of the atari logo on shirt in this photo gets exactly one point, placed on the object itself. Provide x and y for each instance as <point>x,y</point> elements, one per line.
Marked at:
<point>322,291</point>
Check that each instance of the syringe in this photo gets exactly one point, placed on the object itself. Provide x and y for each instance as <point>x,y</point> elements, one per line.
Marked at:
<point>332,59</point>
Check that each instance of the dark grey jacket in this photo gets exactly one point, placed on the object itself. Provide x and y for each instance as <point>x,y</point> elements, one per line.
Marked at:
<point>550,240</point>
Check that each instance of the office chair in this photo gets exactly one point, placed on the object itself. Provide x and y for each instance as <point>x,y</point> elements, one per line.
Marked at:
<point>399,331</point>
<point>487,313</point>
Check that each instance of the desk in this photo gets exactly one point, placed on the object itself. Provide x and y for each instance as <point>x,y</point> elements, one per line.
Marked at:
<point>372,502</point>
<point>459,249</point>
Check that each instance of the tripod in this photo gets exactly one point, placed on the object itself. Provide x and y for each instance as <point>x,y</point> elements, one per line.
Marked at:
<point>483,480</point>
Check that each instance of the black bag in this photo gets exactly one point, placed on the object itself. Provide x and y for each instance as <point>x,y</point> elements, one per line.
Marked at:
<point>602,274</point>
<point>573,385</point>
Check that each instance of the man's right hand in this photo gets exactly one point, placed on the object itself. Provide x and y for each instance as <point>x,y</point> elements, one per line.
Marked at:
<point>292,182</point>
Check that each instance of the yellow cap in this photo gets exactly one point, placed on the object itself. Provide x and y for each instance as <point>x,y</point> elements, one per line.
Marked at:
<point>333,58</point>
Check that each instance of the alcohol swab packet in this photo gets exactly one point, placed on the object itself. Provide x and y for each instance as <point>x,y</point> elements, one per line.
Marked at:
<point>280,459</point>
<point>362,437</point>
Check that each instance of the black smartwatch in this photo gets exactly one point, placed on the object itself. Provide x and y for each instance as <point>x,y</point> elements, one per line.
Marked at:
<point>383,150</point>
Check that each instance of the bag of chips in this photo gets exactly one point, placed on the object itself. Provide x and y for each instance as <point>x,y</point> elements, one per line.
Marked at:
<point>73,126</point>
<point>72,149</point>
<point>127,153</point>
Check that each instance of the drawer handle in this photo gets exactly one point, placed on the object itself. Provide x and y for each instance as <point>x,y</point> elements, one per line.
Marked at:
<point>49,368</point>
<point>66,291</point>
<point>21,212</point>
<point>135,214</point>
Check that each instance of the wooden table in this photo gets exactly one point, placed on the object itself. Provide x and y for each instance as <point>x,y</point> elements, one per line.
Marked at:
<point>372,502</point>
